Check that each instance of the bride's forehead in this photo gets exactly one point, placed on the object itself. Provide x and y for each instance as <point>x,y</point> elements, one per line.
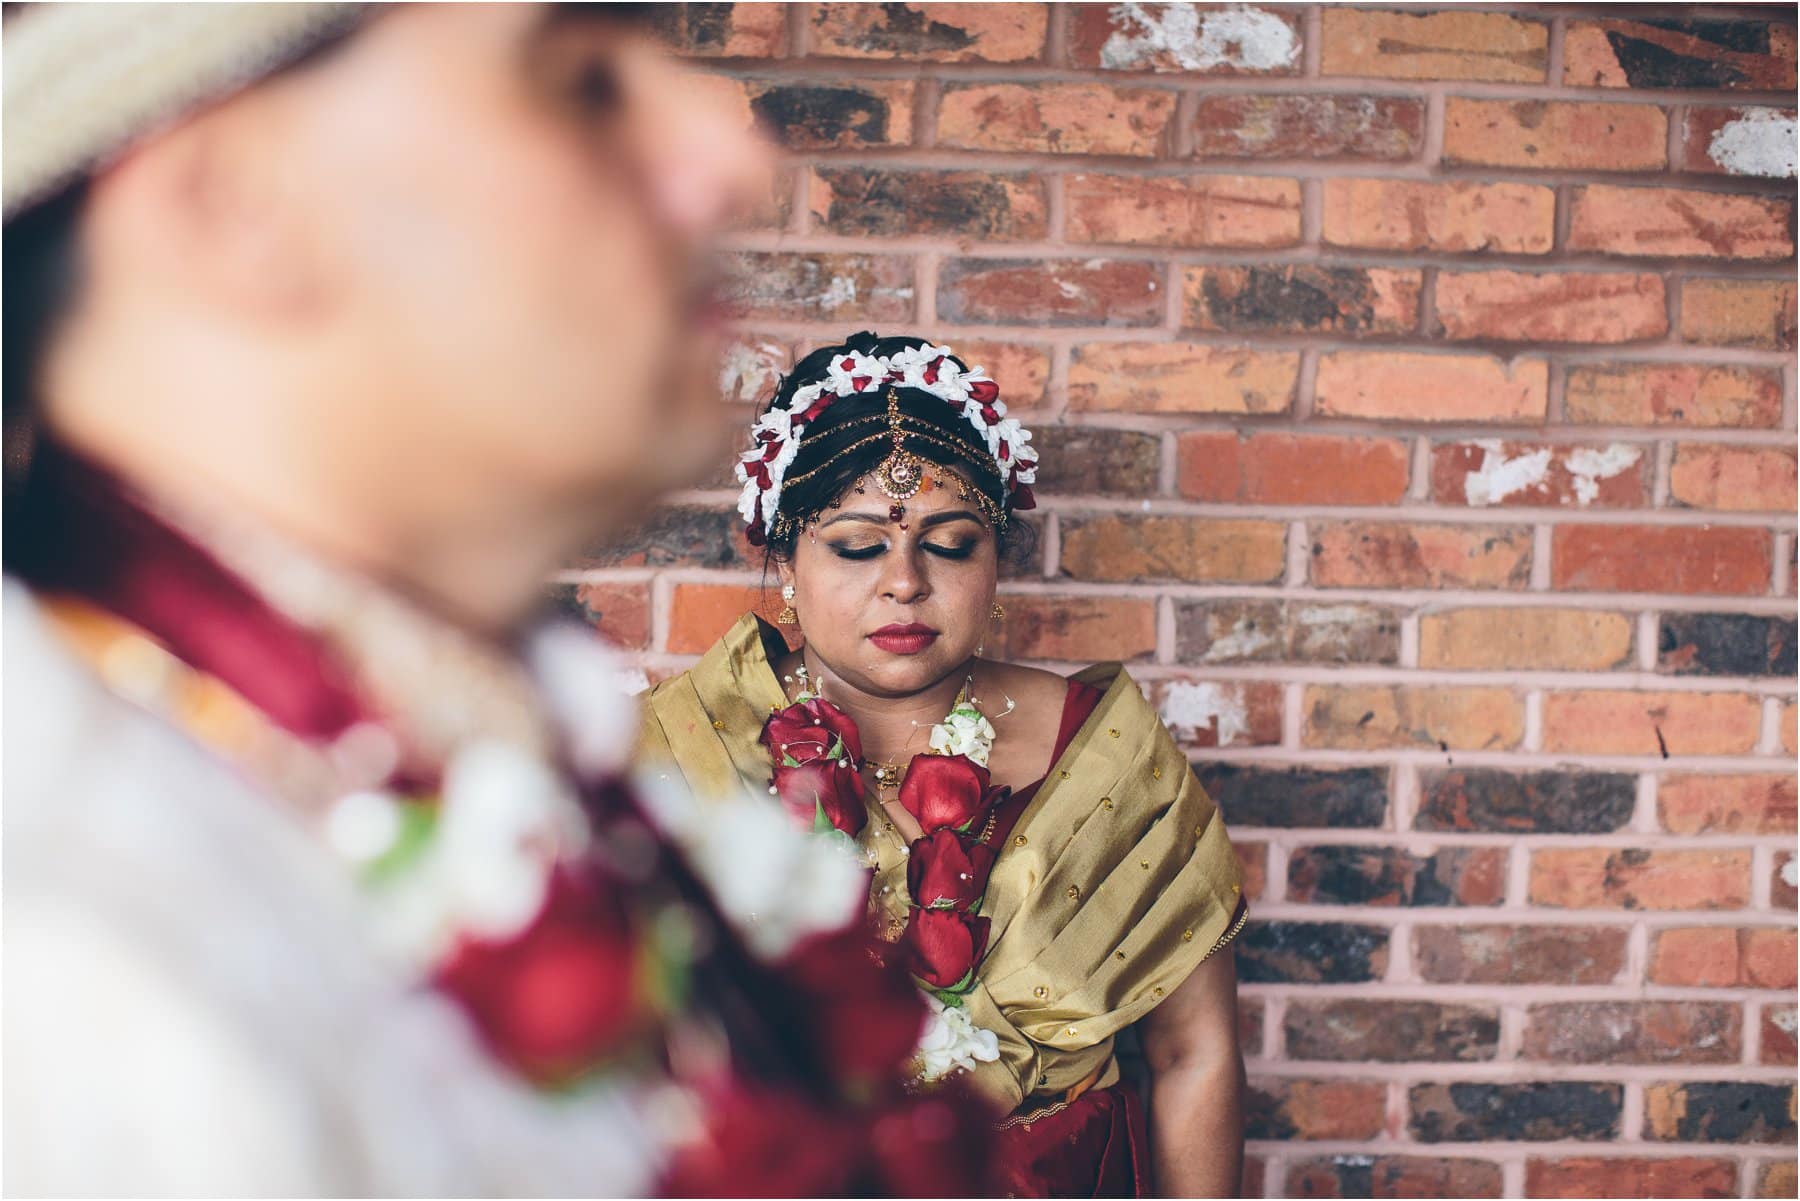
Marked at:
<point>941,492</point>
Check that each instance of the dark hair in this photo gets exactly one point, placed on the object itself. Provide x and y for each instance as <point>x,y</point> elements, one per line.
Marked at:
<point>42,249</point>
<point>846,422</point>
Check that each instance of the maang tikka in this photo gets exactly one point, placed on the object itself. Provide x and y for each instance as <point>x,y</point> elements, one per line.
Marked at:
<point>900,475</point>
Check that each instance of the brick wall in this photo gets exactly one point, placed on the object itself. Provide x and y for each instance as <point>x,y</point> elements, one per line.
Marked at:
<point>1416,396</point>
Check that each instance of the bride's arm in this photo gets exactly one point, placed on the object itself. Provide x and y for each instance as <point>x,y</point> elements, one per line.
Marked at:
<point>1197,1085</point>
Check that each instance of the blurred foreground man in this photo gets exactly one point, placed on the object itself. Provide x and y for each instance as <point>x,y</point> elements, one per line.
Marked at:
<point>339,329</point>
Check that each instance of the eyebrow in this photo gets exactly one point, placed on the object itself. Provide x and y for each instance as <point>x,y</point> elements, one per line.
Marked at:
<point>936,519</point>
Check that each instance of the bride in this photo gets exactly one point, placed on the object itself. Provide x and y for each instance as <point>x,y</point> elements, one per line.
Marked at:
<point>1043,859</point>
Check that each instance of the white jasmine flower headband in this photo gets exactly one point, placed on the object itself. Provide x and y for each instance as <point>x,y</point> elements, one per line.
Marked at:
<point>775,438</point>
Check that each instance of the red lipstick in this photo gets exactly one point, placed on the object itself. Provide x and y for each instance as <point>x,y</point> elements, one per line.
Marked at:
<point>908,639</point>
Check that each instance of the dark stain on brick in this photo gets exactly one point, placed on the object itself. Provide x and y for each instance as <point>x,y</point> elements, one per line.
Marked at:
<point>1739,37</point>
<point>1390,1031</point>
<point>1726,644</point>
<point>1732,1112</point>
<point>1650,62</point>
<point>701,27</point>
<point>1311,953</point>
<point>894,203</point>
<point>905,30</point>
<point>816,115</point>
<point>683,535</point>
<point>1544,802</point>
<point>1392,1176</point>
<point>1393,876</point>
<point>1354,799</point>
<point>1081,461</point>
<point>1336,299</point>
<point>1534,1112</point>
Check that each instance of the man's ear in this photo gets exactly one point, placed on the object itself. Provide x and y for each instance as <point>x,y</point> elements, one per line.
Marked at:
<point>206,213</point>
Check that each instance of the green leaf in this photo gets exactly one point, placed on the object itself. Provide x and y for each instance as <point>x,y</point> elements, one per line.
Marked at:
<point>821,823</point>
<point>788,760</point>
<point>418,821</point>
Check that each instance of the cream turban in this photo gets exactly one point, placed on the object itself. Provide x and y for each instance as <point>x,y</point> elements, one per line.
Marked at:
<point>83,81</point>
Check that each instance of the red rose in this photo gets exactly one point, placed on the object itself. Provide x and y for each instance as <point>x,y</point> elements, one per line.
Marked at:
<point>944,945</point>
<point>944,791</point>
<point>983,390</point>
<point>809,730</point>
<point>828,788</point>
<point>553,1000</point>
<point>763,1142</point>
<point>1023,497</point>
<point>938,1145</point>
<point>947,869</point>
<point>862,1012</point>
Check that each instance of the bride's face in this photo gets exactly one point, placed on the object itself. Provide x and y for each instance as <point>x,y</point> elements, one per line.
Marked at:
<point>893,607</point>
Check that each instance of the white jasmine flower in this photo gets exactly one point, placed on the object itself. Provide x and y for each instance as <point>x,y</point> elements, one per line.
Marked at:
<point>964,732</point>
<point>952,1042</point>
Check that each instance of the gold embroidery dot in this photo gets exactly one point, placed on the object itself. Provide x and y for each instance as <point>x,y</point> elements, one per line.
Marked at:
<point>1156,992</point>
<point>717,724</point>
<point>1106,802</point>
<point>1064,774</point>
<point>1118,954</point>
<point>1040,992</point>
<point>1113,733</point>
<point>1044,1079</point>
<point>1187,936</point>
<point>1018,840</point>
<point>1156,773</point>
<point>1144,863</point>
<point>1071,1032</point>
<point>1236,888</point>
<point>1074,893</point>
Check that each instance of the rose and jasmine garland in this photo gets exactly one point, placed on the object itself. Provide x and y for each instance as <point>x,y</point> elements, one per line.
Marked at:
<point>818,760</point>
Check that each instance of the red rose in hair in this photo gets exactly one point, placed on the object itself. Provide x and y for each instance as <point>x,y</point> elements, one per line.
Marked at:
<point>944,791</point>
<point>944,945</point>
<point>828,788</point>
<point>983,391</point>
<point>556,997</point>
<point>808,731</point>
<point>1023,497</point>
<point>947,869</point>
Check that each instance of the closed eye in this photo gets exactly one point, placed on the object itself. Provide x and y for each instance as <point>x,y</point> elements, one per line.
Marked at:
<point>844,550</point>
<point>960,550</point>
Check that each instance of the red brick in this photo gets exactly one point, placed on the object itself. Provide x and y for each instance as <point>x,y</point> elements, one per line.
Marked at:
<point>1375,717</point>
<point>1555,134</point>
<point>1197,550</point>
<point>1260,630</point>
<point>1723,957</point>
<point>724,30</point>
<point>1608,878</point>
<point>1181,377</point>
<point>1727,804</point>
<point>1193,39</point>
<point>1594,1176</point>
<point>1634,1032</point>
<point>1289,469</point>
<point>1055,118</point>
<point>619,610</point>
<point>1021,369</point>
<point>783,286</point>
<point>1454,215</point>
<point>1214,713</point>
<point>833,114</point>
<point>1726,55</point>
<point>1301,298</point>
<point>1384,877</point>
<point>1743,478</point>
<point>1783,881</point>
<point>1383,1030</point>
<point>1075,629</point>
<point>1739,312</point>
<point>699,614</point>
<point>1464,954</point>
<point>1516,306</point>
<point>976,204</point>
<point>1690,560</point>
<point>1285,1108</point>
<point>944,33</point>
<point>1369,554</point>
<point>751,367</point>
<point>1253,867</point>
<point>1494,639</point>
<point>1242,211</point>
<point>1053,292</point>
<point>1673,394</point>
<point>1774,1180</point>
<point>1632,722</point>
<point>1308,126</point>
<point>1434,45</point>
<point>1756,142</point>
<point>1538,474</point>
<point>1391,386</point>
<point>1790,730</point>
<point>1086,460</point>
<point>1778,1022</point>
<point>1359,1175</point>
<point>1678,223</point>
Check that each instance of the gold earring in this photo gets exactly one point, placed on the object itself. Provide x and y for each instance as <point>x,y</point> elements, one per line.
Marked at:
<point>999,611</point>
<point>787,616</point>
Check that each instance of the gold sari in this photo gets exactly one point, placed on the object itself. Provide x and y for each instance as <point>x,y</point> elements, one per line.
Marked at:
<point>1116,882</point>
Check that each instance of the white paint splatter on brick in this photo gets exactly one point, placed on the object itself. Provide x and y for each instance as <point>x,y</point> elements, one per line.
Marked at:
<point>1761,142</point>
<point>1188,708</point>
<point>1246,38</point>
<point>1499,477</point>
<point>1790,873</point>
<point>1588,465</point>
<point>1069,290</point>
<point>746,369</point>
<point>1785,1019</point>
<point>1240,642</point>
<point>841,290</point>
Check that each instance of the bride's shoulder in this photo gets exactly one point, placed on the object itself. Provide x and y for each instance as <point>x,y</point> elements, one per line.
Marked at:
<point>1032,688</point>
